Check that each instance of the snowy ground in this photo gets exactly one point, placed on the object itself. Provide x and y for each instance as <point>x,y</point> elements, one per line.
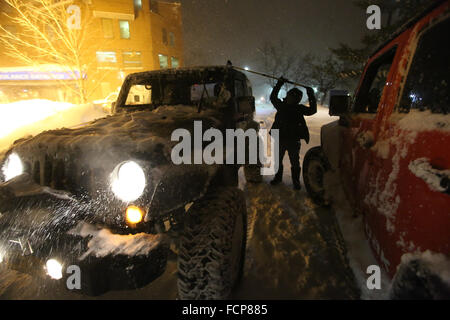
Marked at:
<point>295,249</point>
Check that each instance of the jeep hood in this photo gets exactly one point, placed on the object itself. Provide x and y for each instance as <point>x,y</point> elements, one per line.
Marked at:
<point>89,153</point>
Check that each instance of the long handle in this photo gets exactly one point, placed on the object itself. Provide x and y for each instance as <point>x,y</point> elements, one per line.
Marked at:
<point>269,76</point>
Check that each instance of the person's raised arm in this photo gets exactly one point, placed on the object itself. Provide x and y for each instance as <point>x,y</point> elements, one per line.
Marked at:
<point>276,90</point>
<point>312,103</point>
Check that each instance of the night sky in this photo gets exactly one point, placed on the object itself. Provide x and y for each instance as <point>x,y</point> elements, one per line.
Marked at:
<point>222,29</point>
<point>218,30</point>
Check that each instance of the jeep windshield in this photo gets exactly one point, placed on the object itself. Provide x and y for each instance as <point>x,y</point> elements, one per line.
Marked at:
<point>154,93</point>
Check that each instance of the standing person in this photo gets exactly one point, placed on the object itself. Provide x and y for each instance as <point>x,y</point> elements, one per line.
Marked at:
<point>290,122</point>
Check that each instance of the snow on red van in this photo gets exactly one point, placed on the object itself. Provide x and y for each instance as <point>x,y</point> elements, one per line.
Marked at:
<point>392,150</point>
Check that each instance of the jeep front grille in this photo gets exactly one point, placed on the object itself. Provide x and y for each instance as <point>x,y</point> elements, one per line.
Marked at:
<point>50,173</point>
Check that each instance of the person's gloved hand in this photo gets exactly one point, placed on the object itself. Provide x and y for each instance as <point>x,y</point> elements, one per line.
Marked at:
<point>282,79</point>
<point>310,91</point>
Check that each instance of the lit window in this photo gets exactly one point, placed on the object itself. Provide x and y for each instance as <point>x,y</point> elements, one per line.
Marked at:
<point>124,29</point>
<point>171,39</point>
<point>107,26</point>
<point>106,59</point>
<point>132,60</point>
<point>175,62</point>
<point>163,61</point>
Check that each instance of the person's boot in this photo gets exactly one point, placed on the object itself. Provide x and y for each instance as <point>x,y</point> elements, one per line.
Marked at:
<point>295,173</point>
<point>278,177</point>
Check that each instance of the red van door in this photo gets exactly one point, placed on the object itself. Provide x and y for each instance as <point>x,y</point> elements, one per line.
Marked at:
<point>360,127</point>
<point>408,199</point>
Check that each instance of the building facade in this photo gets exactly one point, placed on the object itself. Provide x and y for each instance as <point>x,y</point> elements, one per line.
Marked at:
<point>123,36</point>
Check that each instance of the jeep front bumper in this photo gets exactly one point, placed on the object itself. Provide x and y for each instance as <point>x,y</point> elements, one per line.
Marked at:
<point>38,225</point>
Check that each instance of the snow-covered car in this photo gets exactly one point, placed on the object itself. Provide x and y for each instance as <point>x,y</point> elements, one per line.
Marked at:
<point>107,103</point>
<point>107,197</point>
<point>391,150</point>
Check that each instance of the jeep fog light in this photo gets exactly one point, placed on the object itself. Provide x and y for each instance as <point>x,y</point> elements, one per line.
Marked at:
<point>134,215</point>
<point>128,181</point>
<point>54,269</point>
<point>13,167</point>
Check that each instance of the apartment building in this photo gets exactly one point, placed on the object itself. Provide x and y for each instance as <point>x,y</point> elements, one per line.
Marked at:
<point>123,36</point>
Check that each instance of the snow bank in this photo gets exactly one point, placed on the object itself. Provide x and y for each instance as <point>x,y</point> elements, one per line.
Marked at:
<point>30,117</point>
<point>104,242</point>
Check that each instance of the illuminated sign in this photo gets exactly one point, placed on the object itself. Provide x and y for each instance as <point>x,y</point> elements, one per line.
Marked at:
<point>39,75</point>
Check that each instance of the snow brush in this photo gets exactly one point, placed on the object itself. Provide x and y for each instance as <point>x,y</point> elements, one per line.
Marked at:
<point>265,75</point>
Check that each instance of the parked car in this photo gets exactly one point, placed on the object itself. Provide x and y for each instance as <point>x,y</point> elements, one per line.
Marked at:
<point>391,147</point>
<point>106,104</point>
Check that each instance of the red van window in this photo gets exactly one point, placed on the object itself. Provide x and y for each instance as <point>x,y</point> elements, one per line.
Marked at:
<point>427,84</point>
<point>372,87</point>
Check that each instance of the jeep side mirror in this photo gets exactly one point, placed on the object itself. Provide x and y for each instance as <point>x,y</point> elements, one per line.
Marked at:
<point>339,102</point>
<point>246,105</point>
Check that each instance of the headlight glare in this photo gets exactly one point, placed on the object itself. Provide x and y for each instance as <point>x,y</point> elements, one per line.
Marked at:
<point>128,181</point>
<point>13,167</point>
<point>54,269</point>
<point>134,215</point>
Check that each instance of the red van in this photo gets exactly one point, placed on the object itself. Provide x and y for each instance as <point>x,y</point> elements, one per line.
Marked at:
<point>391,147</point>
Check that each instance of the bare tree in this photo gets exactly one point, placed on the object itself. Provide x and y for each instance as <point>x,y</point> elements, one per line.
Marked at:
<point>280,60</point>
<point>324,73</point>
<point>52,32</point>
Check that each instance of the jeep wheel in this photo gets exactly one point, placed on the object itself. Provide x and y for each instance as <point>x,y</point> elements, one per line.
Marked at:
<point>315,165</point>
<point>212,246</point>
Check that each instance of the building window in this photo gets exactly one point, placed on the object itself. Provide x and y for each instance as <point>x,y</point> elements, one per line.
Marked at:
<point>163,61</point>
<point>164,36</point>
<point>154,6</point>
<point>106,59</point>
<point>124,29</point>
<point>137,5</point>
<point>132,60</point>
<point>107,26</point>
<point>171,39</point>
<point>175,62</point>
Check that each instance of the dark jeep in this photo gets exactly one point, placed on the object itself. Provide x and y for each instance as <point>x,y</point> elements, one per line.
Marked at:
<point>107,198</point>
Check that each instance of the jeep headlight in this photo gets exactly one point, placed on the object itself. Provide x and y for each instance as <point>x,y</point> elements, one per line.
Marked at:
<point>13,167</point>
<point>128,181</point>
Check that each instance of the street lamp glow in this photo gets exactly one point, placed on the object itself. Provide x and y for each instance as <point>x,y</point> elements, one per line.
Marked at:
<point>246,68</point>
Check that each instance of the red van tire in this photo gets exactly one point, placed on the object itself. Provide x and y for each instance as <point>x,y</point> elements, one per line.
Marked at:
<point>315,166</point>
<point>415,281</point>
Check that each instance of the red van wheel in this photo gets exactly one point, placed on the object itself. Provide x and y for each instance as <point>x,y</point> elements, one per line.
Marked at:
<point>315,165</point>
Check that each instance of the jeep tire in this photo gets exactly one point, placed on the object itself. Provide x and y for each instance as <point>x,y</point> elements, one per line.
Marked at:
<point>212,246</point>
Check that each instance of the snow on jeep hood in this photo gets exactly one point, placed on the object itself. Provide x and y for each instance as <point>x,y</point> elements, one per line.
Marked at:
<point>120,135</point>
